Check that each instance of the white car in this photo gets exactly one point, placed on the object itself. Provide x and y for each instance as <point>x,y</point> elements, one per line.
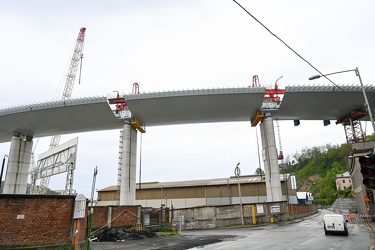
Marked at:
<point>335,224</point>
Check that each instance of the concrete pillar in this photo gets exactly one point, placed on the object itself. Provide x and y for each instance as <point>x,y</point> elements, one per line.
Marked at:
<point>270,160</point>
<point>128,171</point>
<point>109,217</point>
<point>18,166</point>
<point>359,190</point>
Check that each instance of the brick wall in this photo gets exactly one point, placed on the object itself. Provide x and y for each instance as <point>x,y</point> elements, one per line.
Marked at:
<point>37,220</point>
<point>125,216</point>
<point>99,217</point>
<point>121,216</point>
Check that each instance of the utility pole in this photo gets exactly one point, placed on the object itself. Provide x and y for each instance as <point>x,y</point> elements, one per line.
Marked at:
<point>237,172</point>
<point>91,209</point>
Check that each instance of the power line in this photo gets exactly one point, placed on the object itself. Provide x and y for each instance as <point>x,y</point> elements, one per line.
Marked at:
<point>295,52</point>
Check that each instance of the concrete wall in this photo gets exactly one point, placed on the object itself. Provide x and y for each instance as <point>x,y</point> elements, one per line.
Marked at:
<point>359,190</point>
<point>201,217</point>
<point>39,222</point>
<point>300,210</point>
<point>220,216</point>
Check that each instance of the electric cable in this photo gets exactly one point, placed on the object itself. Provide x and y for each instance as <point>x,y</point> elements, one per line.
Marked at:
<point>295,52</point>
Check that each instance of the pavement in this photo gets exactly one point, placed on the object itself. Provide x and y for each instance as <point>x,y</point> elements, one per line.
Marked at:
<point>371,226</point>
<point>185,240</point>
<point>194,239</point>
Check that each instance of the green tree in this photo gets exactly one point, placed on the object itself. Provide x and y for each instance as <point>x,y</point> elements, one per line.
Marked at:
<point>370,137</point>
<point>325,162</point>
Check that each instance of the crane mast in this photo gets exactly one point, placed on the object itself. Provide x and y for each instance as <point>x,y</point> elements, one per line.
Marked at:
<point>71,76</point>
<point>73,68</point>
<point>75,62</point>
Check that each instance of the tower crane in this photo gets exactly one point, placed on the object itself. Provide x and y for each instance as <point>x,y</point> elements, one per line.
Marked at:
<point>75,62</point>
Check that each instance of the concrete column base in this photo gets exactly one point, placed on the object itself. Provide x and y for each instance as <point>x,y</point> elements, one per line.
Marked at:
<point>128,171</point>
<point>270,160</point>
<point>18,166</point>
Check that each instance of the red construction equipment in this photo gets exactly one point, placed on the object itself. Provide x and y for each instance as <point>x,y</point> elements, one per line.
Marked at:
<point>271,100</point>
<point>135,88</point>
<point>354,115</point>
<point>353,127</point>
<point>272,95</point>
<point>119,101</point>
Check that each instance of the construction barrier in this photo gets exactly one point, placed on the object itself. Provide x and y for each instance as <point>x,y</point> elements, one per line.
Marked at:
<point>359,215</point>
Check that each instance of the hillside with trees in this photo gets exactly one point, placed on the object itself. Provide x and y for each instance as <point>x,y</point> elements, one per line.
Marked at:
<point>316,169</point>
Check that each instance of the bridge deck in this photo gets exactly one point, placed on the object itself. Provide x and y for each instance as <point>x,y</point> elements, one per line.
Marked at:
<point>181,107</point>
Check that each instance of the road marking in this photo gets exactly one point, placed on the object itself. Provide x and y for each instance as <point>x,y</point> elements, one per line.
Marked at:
<point>311,239</point>
<point>238,241</point>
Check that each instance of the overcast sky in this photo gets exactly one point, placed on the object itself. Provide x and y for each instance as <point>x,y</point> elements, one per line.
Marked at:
<point>174,45</point>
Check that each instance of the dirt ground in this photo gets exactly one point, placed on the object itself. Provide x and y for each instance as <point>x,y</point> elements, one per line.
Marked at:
<point>178,242</point>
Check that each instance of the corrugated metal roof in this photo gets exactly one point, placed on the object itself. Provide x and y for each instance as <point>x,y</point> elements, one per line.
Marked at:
<point>194,183</point>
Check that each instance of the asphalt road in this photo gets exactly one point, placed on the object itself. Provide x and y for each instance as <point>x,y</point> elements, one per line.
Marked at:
<point>305,233</point>
<point>178,242</point>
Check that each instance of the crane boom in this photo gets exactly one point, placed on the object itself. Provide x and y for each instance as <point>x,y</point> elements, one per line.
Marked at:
<point>76,59</point>
<point>67,93</point>
<point>71,76</point>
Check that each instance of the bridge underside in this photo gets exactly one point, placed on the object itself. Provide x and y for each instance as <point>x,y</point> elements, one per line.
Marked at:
<point>322,102</point>
<point>176,107</point>
<point>181,107</point>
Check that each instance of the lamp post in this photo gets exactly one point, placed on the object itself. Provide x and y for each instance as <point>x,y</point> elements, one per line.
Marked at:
<point>162,195</point>
<point>367,105</point>
<point>237,172</point>
<point>93,185</point>
<point>92,209</point>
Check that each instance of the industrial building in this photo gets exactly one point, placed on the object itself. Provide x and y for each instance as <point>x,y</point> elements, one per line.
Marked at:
<point>210,192</point>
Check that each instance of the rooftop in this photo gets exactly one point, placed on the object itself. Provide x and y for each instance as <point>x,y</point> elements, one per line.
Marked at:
<point>194,183</point>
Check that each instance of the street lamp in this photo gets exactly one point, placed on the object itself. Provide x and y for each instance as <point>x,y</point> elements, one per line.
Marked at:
<point>367,105</point>
<point>237,172</point>
<point>162,195</point>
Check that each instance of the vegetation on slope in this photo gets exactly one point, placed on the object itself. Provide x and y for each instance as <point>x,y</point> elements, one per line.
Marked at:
<point>316,169</point>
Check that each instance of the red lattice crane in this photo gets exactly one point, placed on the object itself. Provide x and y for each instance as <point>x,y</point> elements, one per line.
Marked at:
<point>75,62</point>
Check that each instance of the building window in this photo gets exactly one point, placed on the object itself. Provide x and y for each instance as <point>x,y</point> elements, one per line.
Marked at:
<point>344,187</point>
<point>343,181</point>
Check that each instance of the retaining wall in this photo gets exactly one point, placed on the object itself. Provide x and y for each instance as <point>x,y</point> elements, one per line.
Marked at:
<point>227,215</point>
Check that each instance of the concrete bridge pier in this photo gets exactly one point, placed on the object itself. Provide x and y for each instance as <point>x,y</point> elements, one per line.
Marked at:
<point>18,165</point>
<point>270,160</point>
<point>128,170</point>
